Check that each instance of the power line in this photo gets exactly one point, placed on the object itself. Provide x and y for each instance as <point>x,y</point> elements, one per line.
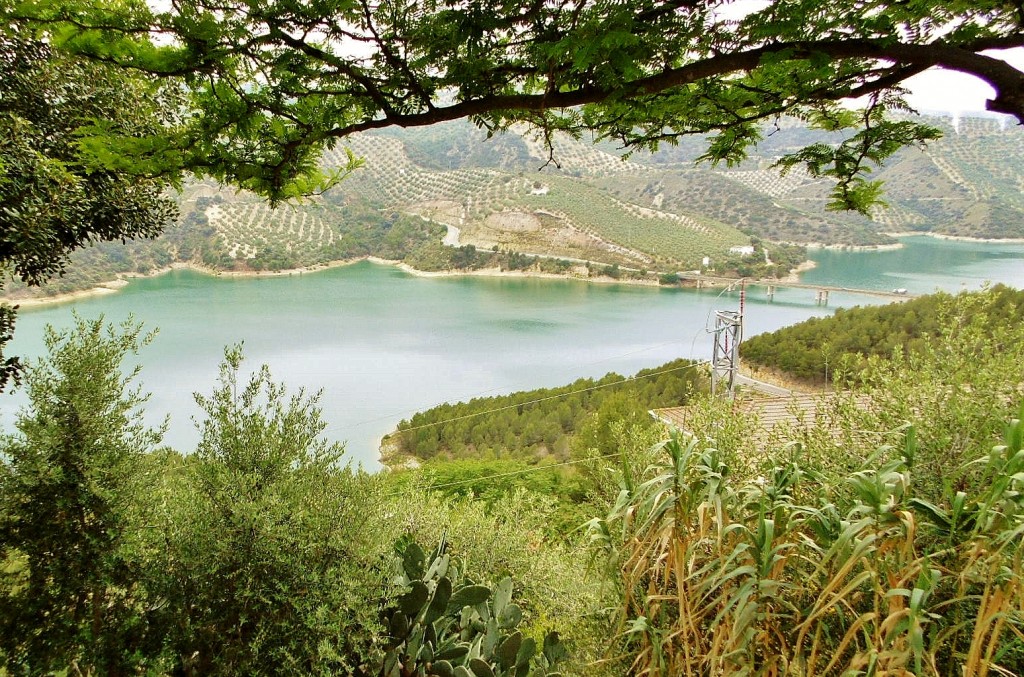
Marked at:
<point>524,471</point>
<point>692,365</point>
<point>482,393</point>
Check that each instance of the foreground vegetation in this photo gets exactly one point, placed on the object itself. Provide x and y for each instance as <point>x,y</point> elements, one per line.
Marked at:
<point>259,553</point>
<point>868,547</point>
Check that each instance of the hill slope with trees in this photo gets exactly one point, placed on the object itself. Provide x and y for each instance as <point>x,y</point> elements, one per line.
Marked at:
<point>845,342</point>
<point>649,215</point>
<point>536,424</point>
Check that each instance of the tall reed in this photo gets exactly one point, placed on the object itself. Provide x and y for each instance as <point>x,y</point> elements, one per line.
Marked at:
<point>785,575</point>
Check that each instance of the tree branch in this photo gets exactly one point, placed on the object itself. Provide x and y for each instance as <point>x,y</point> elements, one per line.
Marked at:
<point>1004,78</point>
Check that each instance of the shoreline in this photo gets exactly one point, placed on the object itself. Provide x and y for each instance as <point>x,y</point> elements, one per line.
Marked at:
<point>497,272</point>
<point>961,238</point>
<point>122,279</point>
<point>854,247</point>
<point>794,275</point>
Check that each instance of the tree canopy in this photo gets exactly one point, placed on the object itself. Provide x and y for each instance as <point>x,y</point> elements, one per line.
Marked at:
<point>53,198</point>
<point>271,84</point>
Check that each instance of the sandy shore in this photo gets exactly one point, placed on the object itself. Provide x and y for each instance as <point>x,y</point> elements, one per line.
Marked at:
<point>987,241</point>
<point>963,238</point>
<point>124,278</point>
<point>857,247</point>
<point>497,272</point>
<point>99,290</point>
<point>794,275</point>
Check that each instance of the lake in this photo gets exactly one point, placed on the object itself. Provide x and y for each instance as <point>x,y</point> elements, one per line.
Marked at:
<point>383,344</point>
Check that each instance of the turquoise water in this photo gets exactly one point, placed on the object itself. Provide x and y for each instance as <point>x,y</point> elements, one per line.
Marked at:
<point>383,344</point>
<point>922,266</point>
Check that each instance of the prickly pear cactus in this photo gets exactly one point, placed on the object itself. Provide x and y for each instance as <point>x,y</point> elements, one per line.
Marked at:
<point>447,626</point>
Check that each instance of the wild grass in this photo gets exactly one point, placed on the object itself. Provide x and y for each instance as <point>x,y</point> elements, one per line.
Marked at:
<point>799,573</point>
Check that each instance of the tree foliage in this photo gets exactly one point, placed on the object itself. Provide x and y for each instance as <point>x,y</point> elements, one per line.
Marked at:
<point>269,567</point>
<point>272,87</point>
<point>843,343</point>
<point>70,488</point>
<point>540,422</point>
<point>54,198</point>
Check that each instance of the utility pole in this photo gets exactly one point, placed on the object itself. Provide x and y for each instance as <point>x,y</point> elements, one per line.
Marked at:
<point>725,360</point>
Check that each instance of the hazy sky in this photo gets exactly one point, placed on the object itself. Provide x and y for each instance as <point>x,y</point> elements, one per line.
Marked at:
<point>941,90</point>
<point>934,90</point>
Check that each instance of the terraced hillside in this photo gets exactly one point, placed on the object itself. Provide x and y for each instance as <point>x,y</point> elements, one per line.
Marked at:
<point>579,200</point>
<point>968,183</point>
<point>247,228</point>
<point>555,213</point>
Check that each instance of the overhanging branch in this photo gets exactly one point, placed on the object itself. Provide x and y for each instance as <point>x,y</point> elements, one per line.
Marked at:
<point>912,59</point>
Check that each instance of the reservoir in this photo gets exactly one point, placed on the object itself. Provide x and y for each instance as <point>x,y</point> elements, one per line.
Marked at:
<point>381,344</point>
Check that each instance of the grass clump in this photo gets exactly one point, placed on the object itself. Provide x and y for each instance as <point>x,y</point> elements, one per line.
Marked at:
<point>801,572</point>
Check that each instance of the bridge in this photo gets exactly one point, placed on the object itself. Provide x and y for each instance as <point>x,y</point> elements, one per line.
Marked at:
<point>821,291</point>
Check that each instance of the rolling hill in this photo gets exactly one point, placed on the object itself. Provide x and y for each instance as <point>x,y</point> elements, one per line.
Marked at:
<point>578,201</point>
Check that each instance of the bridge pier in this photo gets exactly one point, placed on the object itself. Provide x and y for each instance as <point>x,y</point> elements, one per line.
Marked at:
<point>770,292</point>
<point>821,298</point>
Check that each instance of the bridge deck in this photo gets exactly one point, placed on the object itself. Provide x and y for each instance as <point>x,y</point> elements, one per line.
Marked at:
<point>727,281</point>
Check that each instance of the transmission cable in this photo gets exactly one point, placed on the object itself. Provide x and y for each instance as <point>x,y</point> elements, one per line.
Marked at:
<point>512,473</point>
<point>692,365</point>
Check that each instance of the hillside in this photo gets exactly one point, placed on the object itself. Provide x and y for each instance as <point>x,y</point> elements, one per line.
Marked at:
<point>539,424</point>
<point>845,342</point>
<point>516,204</point>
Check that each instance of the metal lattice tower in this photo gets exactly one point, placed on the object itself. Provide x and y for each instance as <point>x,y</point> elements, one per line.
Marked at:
<point>725,357</point>
<point>725,360</point>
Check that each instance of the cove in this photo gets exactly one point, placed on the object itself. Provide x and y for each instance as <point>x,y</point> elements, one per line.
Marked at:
<point>382,344</point>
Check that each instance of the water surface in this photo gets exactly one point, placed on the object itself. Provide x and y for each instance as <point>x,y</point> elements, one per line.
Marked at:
<point>383,344</point>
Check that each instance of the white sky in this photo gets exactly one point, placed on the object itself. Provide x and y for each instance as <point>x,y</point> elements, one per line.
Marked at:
<point>935,90</point>
<point>948,91</point>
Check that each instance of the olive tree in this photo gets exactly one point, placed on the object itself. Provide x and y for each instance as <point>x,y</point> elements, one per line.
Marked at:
<point>71,489</point>
<point>271,559</point>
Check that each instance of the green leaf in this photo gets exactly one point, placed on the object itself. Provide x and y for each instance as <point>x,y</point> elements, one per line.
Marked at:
<point>502,595</point>
<point>470,595</point>
<point>554,650</point>
<point>480,668</point>
<point>527,650</point>
<point>508,651</point>
<point>453,653</point>
<point>510,617</point>
<point>413,561</point>
<point>441,668</point>
<point>439,603</point>
<point>411,603</point>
